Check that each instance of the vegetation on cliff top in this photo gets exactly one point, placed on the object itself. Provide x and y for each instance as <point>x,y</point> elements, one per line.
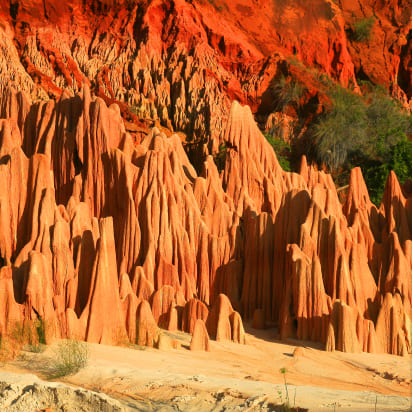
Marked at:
<point>369,130</point>
<point>363,29</point>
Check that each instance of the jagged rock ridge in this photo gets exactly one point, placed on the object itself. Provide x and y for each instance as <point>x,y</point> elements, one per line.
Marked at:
<point>107,240</point>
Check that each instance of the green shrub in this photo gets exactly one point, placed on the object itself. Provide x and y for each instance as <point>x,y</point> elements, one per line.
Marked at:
<point>370,132</point>
<point>387,125</point>
<point>341,130</point>
<point>220,157</point>
<point>282,150</point>
<point>287,92</point>
<point>376,172</point>
<point>363,29</point>
<point>37,341</point>
<point>70,357</point>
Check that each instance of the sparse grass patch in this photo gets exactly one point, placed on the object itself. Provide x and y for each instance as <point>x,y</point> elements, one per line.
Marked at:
<point>287,92</point>
<point>70,357</point>
<point>8,349</point>
<point>36,348</point>
<point>363,29</point>
<point>18,334</point>
<point>286,405</point>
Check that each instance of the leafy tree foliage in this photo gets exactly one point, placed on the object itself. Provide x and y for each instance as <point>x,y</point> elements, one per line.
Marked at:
<point>370,132</point>
<point>341,130</point>
<point>282,150</point>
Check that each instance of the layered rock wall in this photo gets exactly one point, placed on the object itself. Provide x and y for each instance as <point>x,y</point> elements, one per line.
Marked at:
<point>180,64</point>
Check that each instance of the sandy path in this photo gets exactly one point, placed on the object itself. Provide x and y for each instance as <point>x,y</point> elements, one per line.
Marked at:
<point>234,376</point>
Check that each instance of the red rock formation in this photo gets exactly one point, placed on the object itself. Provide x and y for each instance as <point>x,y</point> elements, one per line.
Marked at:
<point>94,217</point>
<point>342,329</point>
<point>97,221</point>
<point>12,312</point>
<point>393,326</point>
<point>122,49</point>
<point>163,302</point>
<point>104,326</point>
<point>193,310</point>
<point>164,343</point>
<point>200,338</point>
<point>223,323</point>
<point>258,321</point>
<point>147,331</point>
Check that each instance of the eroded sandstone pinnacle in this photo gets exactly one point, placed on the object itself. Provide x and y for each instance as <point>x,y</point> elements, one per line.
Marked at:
<point>106,240</point>
<point>111,228</point>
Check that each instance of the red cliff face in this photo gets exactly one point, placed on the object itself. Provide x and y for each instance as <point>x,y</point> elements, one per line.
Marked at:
<point>100,206</point>
<point>90,220</point>
<point>181,63</point>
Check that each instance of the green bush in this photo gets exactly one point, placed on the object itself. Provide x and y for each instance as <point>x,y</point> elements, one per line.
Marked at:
<point>370,132</point>
<point>220,157</point>
<point>376,172</point>
<point>341,130</point>
<point>287,92</point>
<point>70,357</point>
<point>363,29</point>
<point>282,150</point>
<point>387,125</point>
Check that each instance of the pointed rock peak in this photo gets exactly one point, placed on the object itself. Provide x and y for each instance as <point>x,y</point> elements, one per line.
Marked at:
<point>304,169</point>
<point>241,125</point>
<point>238,332</point>
<point>218,323</point>
<point>358,195</point>
<point>223,323</point>
<point>125,286</point>
<point>114,107</point>
<point>243,134</point>
<point>210,170</point>
<point>392,192</point>
<point>105,326</point>
<point>107,244</point>
<point>140,285</point>
<point>193,310</point>
<point>200,339</point>
<point>357,199</point>
<point>155,140</point>
<point>395,207</point>
<point>147,331</point>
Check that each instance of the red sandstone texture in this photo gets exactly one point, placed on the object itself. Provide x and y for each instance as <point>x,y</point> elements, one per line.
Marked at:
<point>181,63</point>
<point>107,240</point>
<point>107,230</point>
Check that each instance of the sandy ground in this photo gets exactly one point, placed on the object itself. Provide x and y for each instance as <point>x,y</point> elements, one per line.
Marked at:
<point>238,377</point>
